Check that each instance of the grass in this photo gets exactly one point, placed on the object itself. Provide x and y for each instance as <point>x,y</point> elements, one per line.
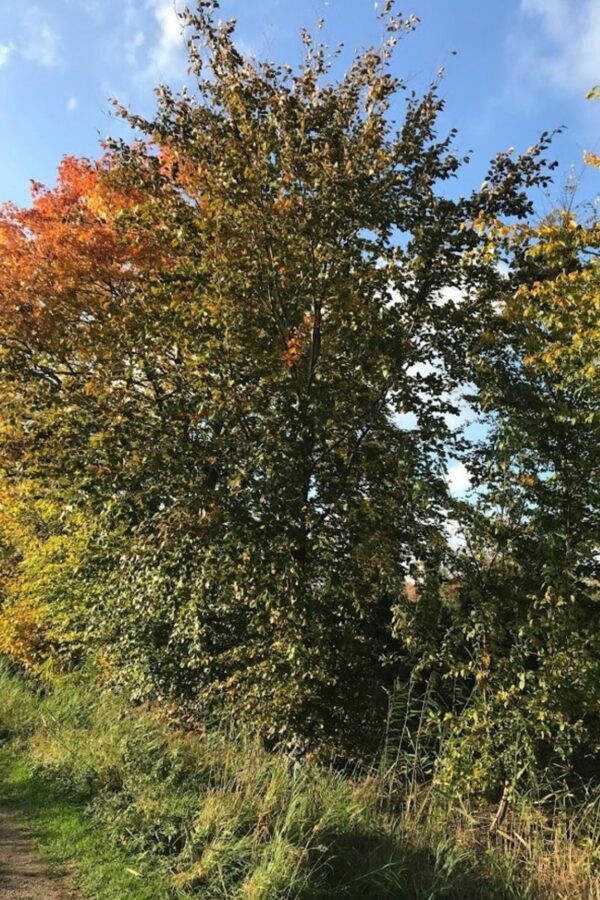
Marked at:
<point>212,815</point>
<point>66,836</point>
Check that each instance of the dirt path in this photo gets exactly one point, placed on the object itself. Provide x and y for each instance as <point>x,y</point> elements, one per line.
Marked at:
<point>23,874</point>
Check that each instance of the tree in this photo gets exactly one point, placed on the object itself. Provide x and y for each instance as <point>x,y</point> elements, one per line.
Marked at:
<point>528,598</point>
<point>220,342</point>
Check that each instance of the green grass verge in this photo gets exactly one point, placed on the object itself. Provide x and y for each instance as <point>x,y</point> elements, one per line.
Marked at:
<point>114,791</point>
<point>66,836</point>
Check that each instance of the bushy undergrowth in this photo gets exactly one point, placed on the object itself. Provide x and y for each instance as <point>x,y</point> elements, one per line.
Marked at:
<point>225,819</point>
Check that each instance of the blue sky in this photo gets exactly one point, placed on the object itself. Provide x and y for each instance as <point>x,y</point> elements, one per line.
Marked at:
<point>522,66</point>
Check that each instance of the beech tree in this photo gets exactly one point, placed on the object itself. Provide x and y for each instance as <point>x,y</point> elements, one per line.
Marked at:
<point>212,336</point>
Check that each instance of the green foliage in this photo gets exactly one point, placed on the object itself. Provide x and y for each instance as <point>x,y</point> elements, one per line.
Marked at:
<point>212,334</point>
<point>520,642</point>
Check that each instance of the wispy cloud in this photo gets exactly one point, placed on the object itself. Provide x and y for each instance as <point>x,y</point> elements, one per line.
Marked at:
<point>566,50</point>
<point>40,42</point>
<point>151,41</point>
<point>5,52</point>
<point>133,46</point>
<point>167,56</point>
<point>72,104</point>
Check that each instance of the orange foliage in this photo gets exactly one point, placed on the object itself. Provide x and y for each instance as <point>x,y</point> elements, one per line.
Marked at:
<point>292,355</point>
<point>293,351</point>
<point>76,244</point>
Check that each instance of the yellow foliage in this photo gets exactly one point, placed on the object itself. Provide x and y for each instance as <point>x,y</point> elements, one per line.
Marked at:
<point>24,633</point>
<point>592,159</point>
<point>39,550</point>
<point>562,310</point>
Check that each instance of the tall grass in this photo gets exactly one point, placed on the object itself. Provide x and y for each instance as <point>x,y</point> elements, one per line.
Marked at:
<point>226,819</point>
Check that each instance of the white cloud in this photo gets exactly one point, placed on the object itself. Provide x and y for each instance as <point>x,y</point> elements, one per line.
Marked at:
<point>568,53</point>
<point>132,47</point>
<point>47,53</point>
<point>41,41</point>
<point>5,51</point>
<point>458,478</point>
<point>151,41</point>
<point>168,55</point>
<point>72,104</point>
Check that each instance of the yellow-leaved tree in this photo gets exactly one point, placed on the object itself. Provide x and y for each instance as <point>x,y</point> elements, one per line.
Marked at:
<point>41,548</point>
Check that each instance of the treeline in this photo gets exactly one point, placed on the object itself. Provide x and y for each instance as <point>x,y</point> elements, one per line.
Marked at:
<point>211,342</point>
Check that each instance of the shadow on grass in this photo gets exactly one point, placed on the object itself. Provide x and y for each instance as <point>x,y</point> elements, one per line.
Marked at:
<point>365,865</point>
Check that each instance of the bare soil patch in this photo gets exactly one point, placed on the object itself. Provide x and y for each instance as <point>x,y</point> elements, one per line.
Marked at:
<point>23,873</point>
